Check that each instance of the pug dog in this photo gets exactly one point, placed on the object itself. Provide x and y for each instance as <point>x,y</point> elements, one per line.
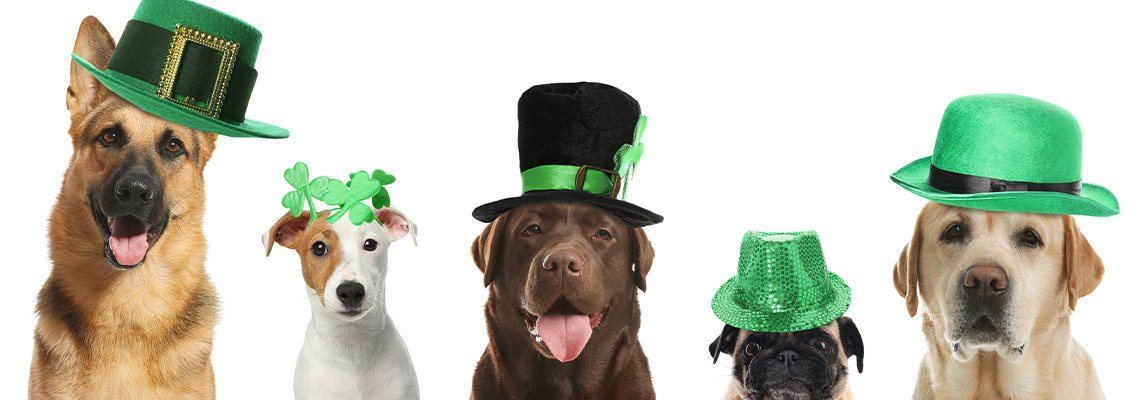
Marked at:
<point>803,365</point>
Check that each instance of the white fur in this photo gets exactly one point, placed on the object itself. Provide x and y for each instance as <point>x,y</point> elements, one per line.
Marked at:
<point>362,357</point>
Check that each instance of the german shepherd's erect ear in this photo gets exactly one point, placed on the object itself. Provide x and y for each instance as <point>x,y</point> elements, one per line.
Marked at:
<point>95,45</point>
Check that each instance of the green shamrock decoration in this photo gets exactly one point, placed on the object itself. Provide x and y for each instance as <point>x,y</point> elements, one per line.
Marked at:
<point>346,197</point>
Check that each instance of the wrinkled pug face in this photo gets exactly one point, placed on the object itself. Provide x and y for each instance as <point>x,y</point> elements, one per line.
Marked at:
<point>988,279</point>
<point>803,365</point>
<point>564,274</point>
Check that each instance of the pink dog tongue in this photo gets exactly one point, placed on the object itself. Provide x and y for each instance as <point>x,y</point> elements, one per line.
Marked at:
<point>565,335</point>
<point>128,242</point>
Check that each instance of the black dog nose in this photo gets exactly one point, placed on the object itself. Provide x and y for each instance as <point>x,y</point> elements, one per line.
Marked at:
<point>985,280</point>
<point>788,357</point>
<point>135,189</point>
<point>350,294</point>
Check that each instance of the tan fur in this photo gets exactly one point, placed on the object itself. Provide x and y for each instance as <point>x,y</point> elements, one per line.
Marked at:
<point>140,334</point>
<point>315,270</point>
<point>1054,366</point>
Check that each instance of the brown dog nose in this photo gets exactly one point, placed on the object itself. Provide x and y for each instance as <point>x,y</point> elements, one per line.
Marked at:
<point>562,259</point>
<point>985,280</point>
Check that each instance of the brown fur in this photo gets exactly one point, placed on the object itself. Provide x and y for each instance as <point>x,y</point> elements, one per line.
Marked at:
<point>140,334</point>
<point>1054,366</point>
<point>612,365</point>
<point>292,233</point>
<point>841,391</point>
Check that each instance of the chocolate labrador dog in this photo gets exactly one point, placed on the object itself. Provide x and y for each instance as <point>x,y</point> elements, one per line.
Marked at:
<point>562,314</point>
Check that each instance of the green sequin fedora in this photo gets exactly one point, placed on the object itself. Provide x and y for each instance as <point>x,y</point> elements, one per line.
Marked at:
<point>781,285</point>
<point>189,64</point>
<point>1002,152</point>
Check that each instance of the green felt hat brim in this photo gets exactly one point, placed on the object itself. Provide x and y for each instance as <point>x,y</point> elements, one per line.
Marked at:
<point>144,96</point>
<point>1094,200</point>
<point>733,314</point>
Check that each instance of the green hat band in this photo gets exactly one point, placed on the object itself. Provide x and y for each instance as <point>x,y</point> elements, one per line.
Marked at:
<point>781,285</point>
<point>588,178</point>
<point>196,70</point>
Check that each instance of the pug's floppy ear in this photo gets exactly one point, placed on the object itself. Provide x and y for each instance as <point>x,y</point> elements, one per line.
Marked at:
<point>906,269</point>
<point>852,340</point>
<point>1083,266</point>
<point>94,44</point>
<point>724,343</point>
<point>285,231</point>
<point>485,249</point>
<point>642,256</point>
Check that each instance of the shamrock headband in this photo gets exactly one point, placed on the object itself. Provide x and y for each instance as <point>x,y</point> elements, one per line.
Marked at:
<point>588,178</point>
<point>345,198</point>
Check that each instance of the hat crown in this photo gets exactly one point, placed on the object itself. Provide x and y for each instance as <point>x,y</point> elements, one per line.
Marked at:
<point>168,14</point>
<point>782,272</point>
<point>576,124</point>
<point>1009,137</point>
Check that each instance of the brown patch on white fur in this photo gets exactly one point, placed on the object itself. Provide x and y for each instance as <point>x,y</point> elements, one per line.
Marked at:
<point>1053,277</point>
<point>296,233</point>
<point>140,334</point>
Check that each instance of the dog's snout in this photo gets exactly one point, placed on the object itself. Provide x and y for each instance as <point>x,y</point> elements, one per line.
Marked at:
<point>788,357</point>
<point>562,260</point>
<point>135,189</point>
<point>985,280</point>
<point>351,294</point>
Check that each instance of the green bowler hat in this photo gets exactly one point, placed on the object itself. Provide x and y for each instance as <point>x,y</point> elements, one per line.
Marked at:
<point>189,64</point>
<point>781,285</point>
<point>1002,152</point>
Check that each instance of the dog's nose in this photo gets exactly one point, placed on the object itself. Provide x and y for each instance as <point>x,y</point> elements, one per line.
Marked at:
<point>788,357</point>
<point>985,280</point>
<point>135,189</point>
<point>562,260</point>
<point>350,294</point>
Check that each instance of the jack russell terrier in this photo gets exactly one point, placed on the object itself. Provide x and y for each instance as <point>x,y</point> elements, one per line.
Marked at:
<point>352,350</point>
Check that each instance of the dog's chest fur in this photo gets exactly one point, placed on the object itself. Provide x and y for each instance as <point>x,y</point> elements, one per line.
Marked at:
<point>363,359</point>
<point>119,350</point>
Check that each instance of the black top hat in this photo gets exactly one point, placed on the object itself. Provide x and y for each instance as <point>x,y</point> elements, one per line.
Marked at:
<point>577,141</point>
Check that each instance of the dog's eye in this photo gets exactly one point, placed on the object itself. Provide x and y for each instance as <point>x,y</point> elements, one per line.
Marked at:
<point>603,234</point>
<point>173,146</point>
<point>319,249</point>
<point>954,233</point>
<point>823,345</point>
<point>1030,239</point>
<point>533,229</point>
<point>752,349</point>
<point>369,245</point>
<point>110,137</point>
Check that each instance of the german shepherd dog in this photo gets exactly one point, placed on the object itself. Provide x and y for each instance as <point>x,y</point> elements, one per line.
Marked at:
<point>127,311</point>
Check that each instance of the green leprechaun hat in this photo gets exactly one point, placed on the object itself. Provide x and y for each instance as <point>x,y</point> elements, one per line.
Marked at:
<point>781,285</point>
<point>1002,152</point>
<point>189,64</point>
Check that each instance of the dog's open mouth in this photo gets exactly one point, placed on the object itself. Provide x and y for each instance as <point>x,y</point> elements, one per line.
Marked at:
<point>126,238</point>
<point>563,330</point>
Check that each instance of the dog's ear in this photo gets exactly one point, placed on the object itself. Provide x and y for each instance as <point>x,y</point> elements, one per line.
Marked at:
<point>724,343</point>
<point>485,249</point>
<point>95,45</point>
<point>906,269</point>
<point>642,256</point>
<point>1082,265</point>
<point>852,340</point>
<point>285,232</point>
<point>207,149</point>
<point>397,223</point>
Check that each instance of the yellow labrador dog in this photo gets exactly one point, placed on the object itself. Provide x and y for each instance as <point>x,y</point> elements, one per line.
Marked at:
<point>997,290</point>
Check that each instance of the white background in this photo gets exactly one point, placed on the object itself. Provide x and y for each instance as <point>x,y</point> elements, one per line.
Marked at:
<point>760,117</point>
